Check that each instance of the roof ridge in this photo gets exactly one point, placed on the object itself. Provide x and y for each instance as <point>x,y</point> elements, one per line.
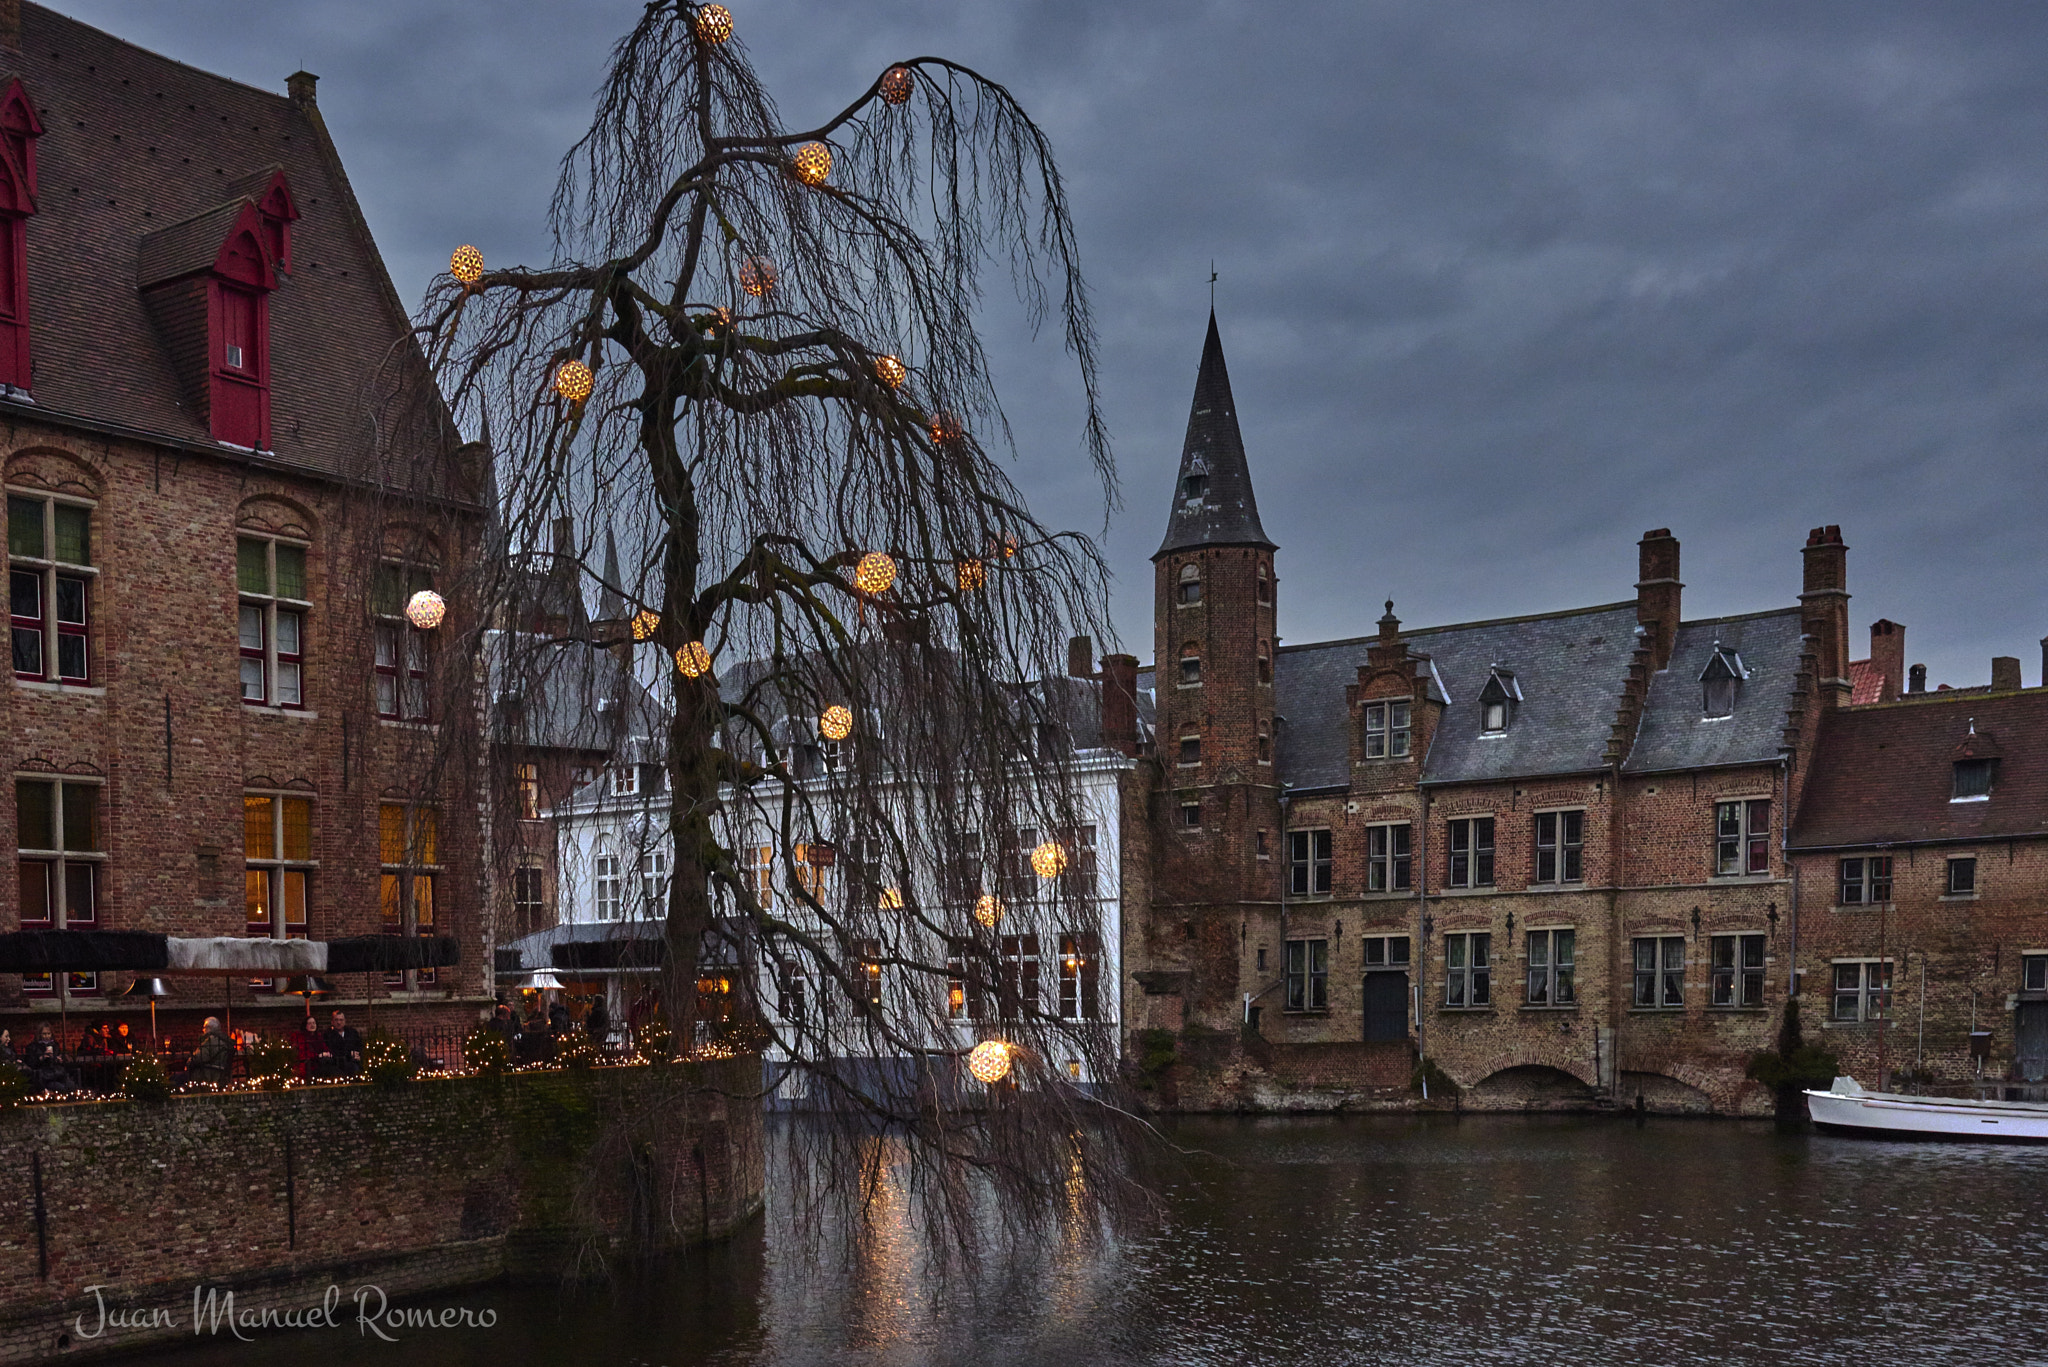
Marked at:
<point>154,55</point>
<point>1791,611</point>
<point>1406,632</point>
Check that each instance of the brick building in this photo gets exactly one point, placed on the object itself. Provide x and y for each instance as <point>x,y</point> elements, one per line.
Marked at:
<point>1547,852</point>
<point>221,724</point>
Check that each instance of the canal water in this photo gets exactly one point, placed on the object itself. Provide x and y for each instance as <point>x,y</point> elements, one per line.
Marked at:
<point>1399,1240</point>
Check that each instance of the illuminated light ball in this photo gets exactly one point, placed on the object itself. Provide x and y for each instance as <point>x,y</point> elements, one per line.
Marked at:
<point>645,623</point>
<point>897,85</point>
<point>989,1061</point>
<point>757,275</point>
<point>1049,860</point>
<point>574,381</point>
<point>812,163</point>
<point>891,371</point>
<point>835,723</point>
<point>425,609</point>
<point>973,574</point>
<point>717,322</point>
<point>1009,547</point>
<point>467,265</point>
<point>890,900</point>
<point>945,427</point>
<point>693,661</point>
<point>989,909</point>
<point>713,25</point>
<point>875,573</point>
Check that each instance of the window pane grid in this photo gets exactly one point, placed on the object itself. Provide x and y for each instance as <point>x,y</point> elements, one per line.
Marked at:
<point>49,589</point>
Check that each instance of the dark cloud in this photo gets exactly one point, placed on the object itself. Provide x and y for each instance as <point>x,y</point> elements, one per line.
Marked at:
<point>1502,284</point>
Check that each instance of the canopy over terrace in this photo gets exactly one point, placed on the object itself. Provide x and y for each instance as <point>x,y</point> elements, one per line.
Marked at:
<point>135,951</point>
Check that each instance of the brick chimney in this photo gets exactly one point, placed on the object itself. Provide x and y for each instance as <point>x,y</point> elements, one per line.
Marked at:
<point>1657,593</point>
<point>1080,657</point>
<point>1824,604</point>
<point>1888,657</point>
<point>2044,662</point>
<point>1120,703</point>
<point>2005,673</point>
<point>299,85</point>
<point>1916,679</point>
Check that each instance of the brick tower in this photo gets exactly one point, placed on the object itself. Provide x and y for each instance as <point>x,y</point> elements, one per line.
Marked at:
<point>1218,810</point>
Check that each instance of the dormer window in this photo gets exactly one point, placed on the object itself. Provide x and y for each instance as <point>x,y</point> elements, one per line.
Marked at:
<point>1190,585</point>
<point>1973,779</point>
<point>1194,486</point>
<point>1720,682</point>
<point>1497,702</point>
<point>19,129</point>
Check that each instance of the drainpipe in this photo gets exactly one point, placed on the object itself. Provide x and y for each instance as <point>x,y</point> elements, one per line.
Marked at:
<point>1792,875</point>
<point>1250,997</point>
<point>1422,945</point>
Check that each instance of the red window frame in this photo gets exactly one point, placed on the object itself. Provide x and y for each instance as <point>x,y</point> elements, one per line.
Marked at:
<point>19,129</point>
<point>238,336</point>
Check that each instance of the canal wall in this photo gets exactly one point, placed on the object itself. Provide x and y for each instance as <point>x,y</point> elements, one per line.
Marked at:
<point>277,1197</point>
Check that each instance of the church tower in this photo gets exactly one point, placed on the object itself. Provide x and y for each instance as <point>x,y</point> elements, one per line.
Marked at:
<point>1213,639</point>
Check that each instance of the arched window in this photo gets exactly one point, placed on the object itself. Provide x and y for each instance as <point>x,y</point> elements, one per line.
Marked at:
<point>606,868</point>
<point>1190,585</point>
<point>1265,586</point>
<point>1190,664</point>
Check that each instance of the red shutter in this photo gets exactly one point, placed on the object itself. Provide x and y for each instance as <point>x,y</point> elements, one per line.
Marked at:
<point>240,366</point>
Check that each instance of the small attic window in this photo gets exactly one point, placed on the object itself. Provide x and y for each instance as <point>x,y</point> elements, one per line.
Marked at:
<point>1973,779</point>
<point>1190,584</point>
<point>1720,682</point>
<point>1194,485</point>
<point>1497,702</point>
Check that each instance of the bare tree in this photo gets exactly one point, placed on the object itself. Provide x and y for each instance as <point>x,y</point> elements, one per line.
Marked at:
<point>754,362</point>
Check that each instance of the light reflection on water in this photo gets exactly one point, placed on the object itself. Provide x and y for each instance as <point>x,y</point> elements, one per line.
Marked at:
<point>1410,1240</point>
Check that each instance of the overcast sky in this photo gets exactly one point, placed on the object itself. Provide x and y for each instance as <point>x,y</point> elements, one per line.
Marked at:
<point>1503,284</point>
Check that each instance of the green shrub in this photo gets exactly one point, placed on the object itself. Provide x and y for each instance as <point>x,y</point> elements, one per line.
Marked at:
<point>271,1062</point>
<point>487,1051</point>
<point>15,1086</point>
<point>388,1062</point>
<point>146,1079</point>
<point>575,1050</point>
<point>1156,1052</point>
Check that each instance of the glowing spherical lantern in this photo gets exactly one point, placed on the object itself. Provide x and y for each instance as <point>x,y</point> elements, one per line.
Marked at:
<point>1049,860</point>
<point>973,574</point>
<point>989,1061</point>
<point>645,623</point>
<point>891,371</point>
<point>989,909</point>
<point>574,381</point>
<point>812,163</point>
<point>717,322</point>
<point>945,428</point>
<point>1009,546</point>
<point>693,661</point>
<point>890,900</point>
<point>467,265</point>
<point>835,722</point>
<point>875,573</point>
<point>757,275</point>
<point>425,609</point>
<point>897,84</point>
<point>713,24</point>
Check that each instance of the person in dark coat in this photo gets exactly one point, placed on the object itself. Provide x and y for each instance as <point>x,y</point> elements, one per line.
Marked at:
<point>214,1059</point>
<point>121,1043</point>
<point>502,1023</point>
<point>531,1043</point>
<point>45,1061</point>
<point>599,1022</point>
<point>310,1049</point>
<point>344,1046</point>
<point>7,1058</point>
<point>560,1022</point>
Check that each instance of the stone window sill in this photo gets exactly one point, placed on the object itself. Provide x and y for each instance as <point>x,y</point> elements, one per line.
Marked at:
<point>1677,1012</point>
<point>1738,1011</point>
<point>264,709</point>
<point>1567,1010</point>
<point>1465,1011</point>
<point>1297,1012</point>
<point>1397,895</point>
<point>1864,906</point>
<point>1959,897</point>
<point>1489,890</point>
<point>67,689</point>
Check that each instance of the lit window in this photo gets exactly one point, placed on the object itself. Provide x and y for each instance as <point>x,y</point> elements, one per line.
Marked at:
<point>528,777</point>
<point>408,848</point>
<point>60,865</point>
<point>1737,972</point>
<point>50,576</point>
<point>277,859</point>
<point>1660,972</point>
<point>1080,975</point>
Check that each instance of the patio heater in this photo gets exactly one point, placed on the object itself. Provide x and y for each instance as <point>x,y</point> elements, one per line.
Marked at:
<point>156,989</point>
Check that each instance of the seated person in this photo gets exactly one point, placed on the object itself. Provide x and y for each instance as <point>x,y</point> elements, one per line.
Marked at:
<point>97,1042</point>
<point>214,1060</point>
<point>45,1061</point>
<point>344,1046</point>
<point>121,1042</point>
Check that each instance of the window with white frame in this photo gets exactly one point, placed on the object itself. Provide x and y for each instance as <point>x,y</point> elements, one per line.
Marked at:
<point>1387,730</point>
<point>1862,989</point>
<point>1017,988</point>
<point>1973,780</point>
<point>1865,880</point>
<point>529,896</point>
<point>1468,969</point>
<point>761,875</point>
<point>1471,852</point>
<point>1078,876</point>
<point>60,865</point>
<point>625,780</point>
<point>1962,876</point>
<point>1190,816</point>
<point>604,867</point>
<point>654,882</point>
<point>50,580</point>
<point>1190,666</point>
<point>2034,972</point>
<point>1742,836</point>
<point>791,994</point>
<point>1552,967</point>
<point>1308,975</point>
<point>402,652</point>
<point>1560,847</point>
<point>527,779</point>
<point>270,579</point>
<point>1080,975</point>
<point>1308,863</point>
<point>1389,865</point>
<point>1736,972</point>
<point>1660,972</point>
<point>1190,751</point>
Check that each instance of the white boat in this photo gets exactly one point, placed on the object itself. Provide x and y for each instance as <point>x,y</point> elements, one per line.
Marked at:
<point>1846,1108</point>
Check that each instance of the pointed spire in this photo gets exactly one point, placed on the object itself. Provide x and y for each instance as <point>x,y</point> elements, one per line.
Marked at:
<point>611,598</point>
<point>1212,495</point>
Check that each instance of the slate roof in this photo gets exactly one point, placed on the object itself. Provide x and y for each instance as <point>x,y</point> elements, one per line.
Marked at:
<point>136,144</point>
<point>1226,514</point>
<point>1884,774</point>
<point>566,696</point>
<point>1676,733</point>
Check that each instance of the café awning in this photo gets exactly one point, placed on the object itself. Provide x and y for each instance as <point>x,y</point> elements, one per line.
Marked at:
<point>135,951</point>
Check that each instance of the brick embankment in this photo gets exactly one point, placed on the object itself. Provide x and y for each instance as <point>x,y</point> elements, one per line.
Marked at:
<point>279,1196</point>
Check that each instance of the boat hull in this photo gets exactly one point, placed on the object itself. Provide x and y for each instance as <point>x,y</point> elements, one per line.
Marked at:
<point>1887,1116</point>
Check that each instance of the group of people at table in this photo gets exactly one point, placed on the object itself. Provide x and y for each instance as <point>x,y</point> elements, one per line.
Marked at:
<point>97,1061</point>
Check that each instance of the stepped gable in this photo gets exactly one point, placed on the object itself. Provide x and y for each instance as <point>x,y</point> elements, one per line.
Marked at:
<point>1213,503</point>
<point>1676,733</point>
<point>1885,773</point>
<point>139,148</point>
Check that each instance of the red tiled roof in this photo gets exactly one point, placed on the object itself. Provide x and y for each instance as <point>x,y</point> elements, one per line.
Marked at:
<point>1866,681</point>
<point>1885,773</point>
<point>135,146</point>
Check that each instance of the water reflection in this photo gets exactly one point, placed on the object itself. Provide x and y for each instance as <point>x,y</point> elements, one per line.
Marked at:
<point>1413,1240</point>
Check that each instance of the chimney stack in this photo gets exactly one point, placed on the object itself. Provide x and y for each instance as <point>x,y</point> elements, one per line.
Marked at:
<point>2044,662</point>
<point>1824,604</point>
<point>299,85</point>
<point>1917,679</point>
<point>2005,673</point>
<point>1888,657</point>
<point>1658,592</point>
<point>1080,657</point>
<point>1120,703</point>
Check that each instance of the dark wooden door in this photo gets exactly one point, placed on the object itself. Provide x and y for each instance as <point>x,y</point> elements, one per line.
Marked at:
<point>1386,1007</point>
<point>2031,1042</point>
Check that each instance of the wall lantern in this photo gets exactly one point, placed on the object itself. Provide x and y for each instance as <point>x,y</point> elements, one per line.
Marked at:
<point>426,609</point>
<point>989,1061</point>
<point>875,573</point>
<point>835,723</point>
<point>812,163</point>
<point>1049,860</point>
<point>693,661</point>
<point>467,265</point>
<point>897,85</point>
<point>574,381</point>
<point>713,25</point>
